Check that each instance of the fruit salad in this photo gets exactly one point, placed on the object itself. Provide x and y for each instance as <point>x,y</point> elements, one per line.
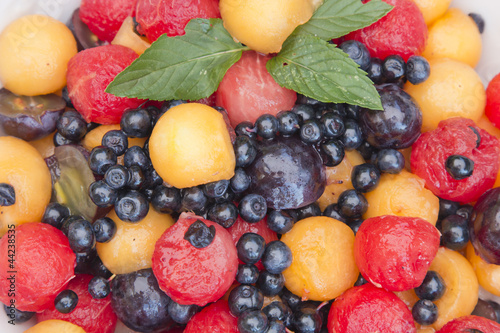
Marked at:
<point>308,166</point>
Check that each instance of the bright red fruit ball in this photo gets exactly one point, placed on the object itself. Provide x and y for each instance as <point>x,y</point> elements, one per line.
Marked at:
<point>105,17</point>
<point>403,31</point>
<point>89,73</point>
<point>157,17</point>
<point>191,275</point>
<point>492,110</point>
<point>215,318</point>
<point>469,324</point>
<point>395,252</point>
<point>456,136</point>
<point>368,309</point>
<point>93,315</point>
<point>248,91</point>
<point>44,263</point>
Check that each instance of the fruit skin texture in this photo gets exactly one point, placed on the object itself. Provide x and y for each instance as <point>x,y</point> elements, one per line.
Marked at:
<point>35,52</point>
<point>323,263</point>
<point>55,325</point>
<point>190,275</point>
<point>215,318</point>
<point>264,25</point>
<point>432,9</point>
<point>453,89</point>
<point>454,136</point>
<point>395,252</point>
<point>132,247</point>
<point>104,18</point>
<point>487,274</point>
<point>89,73</point>
<point>367,309</point>
<point>23,168</point>
<point>39,248</point>
<point>93,315</point>
<point>402,194</point>
<point>471,323</point>
<point>248,91</point>
<point>492,110</point>
<point>156,17</point>
<point>402,32</point>
<point>190,145</point>
<point>454,36</point>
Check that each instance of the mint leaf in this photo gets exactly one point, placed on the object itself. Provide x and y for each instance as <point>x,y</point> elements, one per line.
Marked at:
<point>336,18</point>
<point>183,67</point>
<point>317,69</point>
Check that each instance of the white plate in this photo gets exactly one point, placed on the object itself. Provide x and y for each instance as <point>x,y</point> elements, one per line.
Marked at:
<point>488,67</point>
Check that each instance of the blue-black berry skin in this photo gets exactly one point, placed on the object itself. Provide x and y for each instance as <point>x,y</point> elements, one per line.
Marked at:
<point>365,177</point>
<point>136,123</point>
<point>358,52</point>
<point>455,232</point>
<point>81,236</point>
<point>289,123</point>
<point>478,19</point>
<point>353,136</point>
<point>16,315</point>
<point>132,206</point>
<point>66,301</point>
<point>166,199</point>
<point>393,68</point>
<point>99,287</point>
<point>424,312</point>
<point>417,69</point>
<point>104,229</point>
<point>101,194</point>
<point>117,177</point>
<point>375,71</point>
<point>252,208</point>
<point>352,204</point>
<point>54,214</point>
<point>280,221</point>
<point>71,125</point>
<point>101,159</point>
<point>250,247</point>
<point>180,313</point>
<point>390,161</point>
<point>224,213</point>
<point>277,257</point>
<point>245,151</point>
<point>247,274</point>
<point>267,126</point>
<point>252,321</point>
<point>245,297</point>
<point>116,140</point>
<point>240,181</point>
<point>432,288</point>
<point>270,284</point>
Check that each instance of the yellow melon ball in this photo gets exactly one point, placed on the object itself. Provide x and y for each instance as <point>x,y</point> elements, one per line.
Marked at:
<point>132,247</point>
<point>432,9</point>
<point>263,25</point>
<point>453,89</point>
<point>190,146</point>
<point>55,325</point>
<point>34,55</point>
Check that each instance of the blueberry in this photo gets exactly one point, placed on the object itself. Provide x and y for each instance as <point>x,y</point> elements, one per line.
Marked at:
<point>424,312</point>
<point>199,234</point>
<point>332,152</point>
<point>308,211</point>
<point>182,314</point>
<point>365,177</point>
<point>393,68</point>
<point>216,189</point>
<point>332,211</point>
<point>358,52</point>
<point>360,281</point>
<point>60,140</point>
<point>245,297</point>
<point>66,301</point>
<point>136,123</point>
<point>352,111</point>
<point>333,125</point>
<point>54,214</point>
<point>84,261</point>
<point>252,321</point>
<point>104,229</point>
<point>280,221</point>
<point>67,221</point>
<point>459,167</point>
<point>71,125</point>
<point>455,232</point>
<point>367,151</point>
<point>311,131</point>
<point>375,71</point>
<point>116,140</point>
<point>352,204</point>
<point>247,274</point>
<point>354,224</point>
<point>117,177</point>
<point>152,179</point>
<point>132,206</point>
<point>267,126</point>
<point>276,326</point>
<point>245,128</point>
<point>390,161</point>
<point>417,69</point>
<point>478,19</point>
<point>289,123</point>
<point>465,211</point>
<point>99,287</point>
<point>485,309</point>
<point>136,178</point>
<point>270,284</point>
<point>193,199</point>
<point>224,213</point>
<point>101,194</point>
<point>135,155</point>
<point>432,288</point>
<point>252,208</point>
<point>277,310</point>
<point>304,111</point>
<point>16,315</point>
<point>353,136</point>
<point>240,181</point>
<point>101,159</point>
<point>307,320</point>
<point>447,208</point>
<point>244,151</point>
<point>81,236</point>
<point>250,247</point>
<point>290,299</point>
<point>166,199</point>
<point>277,257</point>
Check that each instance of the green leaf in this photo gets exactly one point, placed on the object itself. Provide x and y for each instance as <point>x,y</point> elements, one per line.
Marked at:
<point>317,69</point>
<point>337,18</point>
<point>183,67</point>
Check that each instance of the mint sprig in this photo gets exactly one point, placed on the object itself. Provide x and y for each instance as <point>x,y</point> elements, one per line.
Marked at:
<point>337,18</point>
<point>189,67</point>
<point>315,68</point>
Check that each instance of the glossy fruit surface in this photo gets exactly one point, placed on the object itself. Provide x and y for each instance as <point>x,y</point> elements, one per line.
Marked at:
<point>22,167</point>
<point>487,274</point>
<point>156,17</point>
<point>432,9</point>
<point>35,52</point>
<point>132,246</point>
<point>402,194</point>
<point>323,263</point>
<point>402,32</point>
<point>492,110</point>
<point>190,275</point>
<point>34,291</point>
<point>367,309</point>
<point>468,324</point>
<point>287,173</point>
<point>105,18</point>
<point>89,73</point>
<point>95,136</point>
<point>395,252</point>
<point>126,36</point>
<point>215,318</point>
<point>190,146</point>
<point>264,25</point>
<point>93,315</point>
<point>248,91</point>
<point>456,136</point>
<point>55,325</point>
<point>453,89</point>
